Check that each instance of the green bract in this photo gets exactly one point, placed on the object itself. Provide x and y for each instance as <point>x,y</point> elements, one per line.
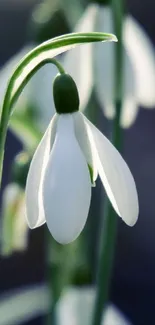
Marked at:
<point>65,94</point>
<point>34,60</point>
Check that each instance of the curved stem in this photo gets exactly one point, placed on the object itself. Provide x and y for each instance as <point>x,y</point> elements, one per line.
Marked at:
<point>6,112</point>
<point>51,315</point>
<point>58,65</point>
<point>109,227</point>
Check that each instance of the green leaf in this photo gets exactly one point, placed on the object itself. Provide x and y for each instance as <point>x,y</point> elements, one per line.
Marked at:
<point>34,60</point>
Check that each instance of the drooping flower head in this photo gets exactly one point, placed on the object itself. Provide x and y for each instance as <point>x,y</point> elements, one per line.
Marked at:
<point>138,64</point>
<point>65,166</point>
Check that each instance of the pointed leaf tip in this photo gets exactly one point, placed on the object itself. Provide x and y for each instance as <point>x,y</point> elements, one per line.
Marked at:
<point>110,38</point>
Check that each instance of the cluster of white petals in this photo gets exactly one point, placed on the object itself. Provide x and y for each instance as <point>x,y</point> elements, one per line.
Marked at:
<point>139,70</point>
<point>58,189</point>
<point>99,61</point>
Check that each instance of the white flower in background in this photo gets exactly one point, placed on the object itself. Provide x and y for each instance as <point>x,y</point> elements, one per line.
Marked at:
<point>21,305</point>
<point>75,307</point>
<point>65,166</point>
<point>139,65</point>
<point>95,65</point>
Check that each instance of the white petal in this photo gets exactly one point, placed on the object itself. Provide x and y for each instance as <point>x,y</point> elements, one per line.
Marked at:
<point>41,94</point>
<point>130,106</point>
<point>129,113</point>
<point>76,304</point>
<point>24,304</point>
<point>82,136</point>
<point>73,300</point>
<point>113,316</point>
<point>105,67</point>
<point>78,62</point>
<point>108,108</point>
<point>116,177</point>
<point>142,54</point>
<point>104,63</point>
<point>66,185</point>
<point>34,205</point>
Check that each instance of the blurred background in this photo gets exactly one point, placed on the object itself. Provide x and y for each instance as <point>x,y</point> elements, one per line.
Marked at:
<point>23,264</point>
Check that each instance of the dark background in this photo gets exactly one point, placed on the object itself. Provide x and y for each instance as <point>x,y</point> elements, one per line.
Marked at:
<point>133,284</point>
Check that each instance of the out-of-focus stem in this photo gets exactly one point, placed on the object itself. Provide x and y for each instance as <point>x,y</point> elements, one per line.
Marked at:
<point>109,226</point>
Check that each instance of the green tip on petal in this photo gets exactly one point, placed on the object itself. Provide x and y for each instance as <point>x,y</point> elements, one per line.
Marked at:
<point>91,174</point>
<point>65,93</point>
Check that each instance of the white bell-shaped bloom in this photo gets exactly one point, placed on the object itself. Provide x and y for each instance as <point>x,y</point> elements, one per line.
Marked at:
<point>138,65</point>
<point>58,189</point>
<point>76,305</point>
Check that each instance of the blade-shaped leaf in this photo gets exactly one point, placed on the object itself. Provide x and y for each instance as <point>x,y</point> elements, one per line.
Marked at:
<point>34,60</point>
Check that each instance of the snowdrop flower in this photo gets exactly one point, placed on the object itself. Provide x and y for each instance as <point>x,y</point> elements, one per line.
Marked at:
<point>65,166</point>
<point>75,307</point>
<point>139,65</point>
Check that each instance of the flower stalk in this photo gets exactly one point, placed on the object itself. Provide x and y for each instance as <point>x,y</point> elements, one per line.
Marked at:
<point>109,227</point>
<point>107,240</point>
<point>51,314</point>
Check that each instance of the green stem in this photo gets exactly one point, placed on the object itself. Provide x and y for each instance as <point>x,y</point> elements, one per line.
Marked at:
<point>61,263</point>
<point>109,228</point>
<point>58,65</point>
<point>51,317</point>
<point>118,9</point>
<point>107,240</point>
